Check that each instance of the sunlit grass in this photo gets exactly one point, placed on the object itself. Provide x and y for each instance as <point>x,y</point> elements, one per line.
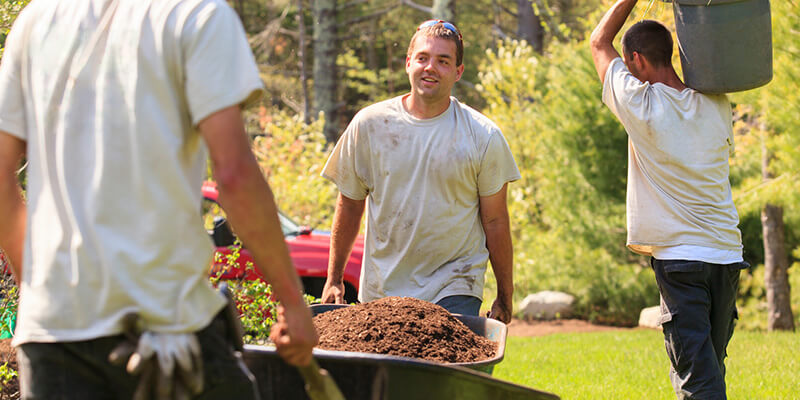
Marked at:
<point>633,365</point>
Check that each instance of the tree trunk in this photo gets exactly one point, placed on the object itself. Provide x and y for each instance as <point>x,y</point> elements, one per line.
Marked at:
<point>325,50</point>
<point>776,260</point>
<point>301,27</point>
<point>529,25</point>
<point>240,11</point>
<point>444,9</point>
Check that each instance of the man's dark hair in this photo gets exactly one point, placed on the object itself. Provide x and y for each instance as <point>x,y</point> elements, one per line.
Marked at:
<point>650,39</point>
<point>439,31</point>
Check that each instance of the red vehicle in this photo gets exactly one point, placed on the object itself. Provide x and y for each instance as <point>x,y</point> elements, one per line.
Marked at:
<point>308,249</point>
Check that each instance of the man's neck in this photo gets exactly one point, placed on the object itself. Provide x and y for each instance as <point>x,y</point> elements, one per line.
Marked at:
<point>419,108</point>
<point>668,77</point>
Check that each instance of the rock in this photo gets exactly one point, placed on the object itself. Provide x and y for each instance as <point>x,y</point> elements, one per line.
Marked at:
<point>547,305</point>
<point>650,317</point>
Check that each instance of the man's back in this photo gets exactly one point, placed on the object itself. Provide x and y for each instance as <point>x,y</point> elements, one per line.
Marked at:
<point>107,95</point>
<point>678,187</point>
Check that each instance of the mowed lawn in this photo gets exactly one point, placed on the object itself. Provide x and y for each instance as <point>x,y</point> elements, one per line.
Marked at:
<point>632,364</point>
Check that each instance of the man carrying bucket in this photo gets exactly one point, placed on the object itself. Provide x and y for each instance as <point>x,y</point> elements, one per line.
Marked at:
<point>679,205</point>
<point>435,173</point>
<point>114,104</point>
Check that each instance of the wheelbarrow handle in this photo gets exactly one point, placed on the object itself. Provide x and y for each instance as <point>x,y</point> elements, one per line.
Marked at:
<point>319,383</point>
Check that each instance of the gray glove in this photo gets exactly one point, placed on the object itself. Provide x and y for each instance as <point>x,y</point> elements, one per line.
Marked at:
<point>170,365</point>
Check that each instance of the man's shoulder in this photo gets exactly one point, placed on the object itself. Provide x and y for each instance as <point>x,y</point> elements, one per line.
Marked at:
<point>378,110</point>
<point>475,118</point>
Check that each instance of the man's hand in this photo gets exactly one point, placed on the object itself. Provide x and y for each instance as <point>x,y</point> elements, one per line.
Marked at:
<point>501,311</point>
<point>294,335</point>
<point>333,292</point>
<point>603,51</point>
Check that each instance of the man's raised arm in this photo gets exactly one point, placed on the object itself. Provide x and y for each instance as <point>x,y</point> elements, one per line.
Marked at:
<point>603,51</point>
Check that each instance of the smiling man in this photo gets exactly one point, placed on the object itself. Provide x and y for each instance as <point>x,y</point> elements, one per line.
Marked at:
<point>433,175</point>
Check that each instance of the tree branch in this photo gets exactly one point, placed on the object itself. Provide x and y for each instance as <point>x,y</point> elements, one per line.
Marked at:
<point>507,10</point>
<point>370,16</point>
<point>297,107</point>
<point>428,10</point>
<point>497,31</point>
<point>351,4</point>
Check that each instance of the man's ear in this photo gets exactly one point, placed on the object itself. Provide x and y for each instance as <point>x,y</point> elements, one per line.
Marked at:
<point>641,61</point>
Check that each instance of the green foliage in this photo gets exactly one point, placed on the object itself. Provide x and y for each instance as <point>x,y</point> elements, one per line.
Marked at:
<point>767,119</point>
<point>364,86</point>
<point>9,9</point>
<point>257,308</point>
<point>291,155</point>
<point>6,375</point>
<point>632,364</point>
<point>568,211</point>
<point>9,298</point>
<point>753,297</point>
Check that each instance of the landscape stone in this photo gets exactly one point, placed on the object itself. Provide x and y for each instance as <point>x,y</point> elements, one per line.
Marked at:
<point>650,317</point>
<point>547,305</point>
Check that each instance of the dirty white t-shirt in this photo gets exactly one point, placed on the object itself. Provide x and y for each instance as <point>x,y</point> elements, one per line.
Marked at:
<point>115,162</point>
<point>679,194</point>
<point>423,179</point>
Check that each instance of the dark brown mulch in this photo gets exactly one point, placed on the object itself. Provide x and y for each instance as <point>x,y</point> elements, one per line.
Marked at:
<point>9,355</point>
<point>402,326</point>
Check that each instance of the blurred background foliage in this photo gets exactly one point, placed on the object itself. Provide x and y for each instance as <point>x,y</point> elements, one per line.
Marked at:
<point>568,211</point>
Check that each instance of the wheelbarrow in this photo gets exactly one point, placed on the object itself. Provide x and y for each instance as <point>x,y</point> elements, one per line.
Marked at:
<point>367,376</point>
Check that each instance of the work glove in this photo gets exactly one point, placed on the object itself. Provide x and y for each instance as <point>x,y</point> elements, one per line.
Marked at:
<point>170,365</point>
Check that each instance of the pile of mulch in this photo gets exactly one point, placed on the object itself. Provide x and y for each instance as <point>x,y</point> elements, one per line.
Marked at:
<point>9,355</point>
<point>402,326</point>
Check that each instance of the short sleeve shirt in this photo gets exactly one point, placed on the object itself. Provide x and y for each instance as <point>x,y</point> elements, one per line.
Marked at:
<point>678,175</point>
<point>423,179</point>
<point>107,95</point>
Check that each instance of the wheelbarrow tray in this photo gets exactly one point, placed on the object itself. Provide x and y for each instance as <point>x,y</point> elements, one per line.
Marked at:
<point>491,329</point>
<point>364,376</point>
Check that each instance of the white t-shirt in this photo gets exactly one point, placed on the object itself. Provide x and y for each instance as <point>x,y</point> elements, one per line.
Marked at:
<point>679,191</point>
<point>115,162</point>
<point>423,179</point>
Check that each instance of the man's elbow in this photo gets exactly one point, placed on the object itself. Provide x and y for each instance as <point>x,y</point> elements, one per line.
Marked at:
<point>235,177</point>
<point>597,42</point>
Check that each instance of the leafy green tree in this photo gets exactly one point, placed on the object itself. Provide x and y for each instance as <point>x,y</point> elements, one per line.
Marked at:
<point>771,131</point>
<point>568,211</point>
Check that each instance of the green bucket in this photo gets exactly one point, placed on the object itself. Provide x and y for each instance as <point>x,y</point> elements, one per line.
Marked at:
<point>725,45</point>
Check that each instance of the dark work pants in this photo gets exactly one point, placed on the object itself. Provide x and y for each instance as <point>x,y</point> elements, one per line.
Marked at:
<point>80,370</point>
<point>460,304</point>
<point>698,314</point>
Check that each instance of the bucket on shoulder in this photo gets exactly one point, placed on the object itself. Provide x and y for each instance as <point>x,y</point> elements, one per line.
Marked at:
<point>725,45</point>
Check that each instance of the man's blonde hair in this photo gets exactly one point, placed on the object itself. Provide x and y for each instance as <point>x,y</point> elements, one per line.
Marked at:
<point>439,31</point>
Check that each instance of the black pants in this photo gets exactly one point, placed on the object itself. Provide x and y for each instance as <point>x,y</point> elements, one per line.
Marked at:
<point>698,314</point>
<point>80,370</point>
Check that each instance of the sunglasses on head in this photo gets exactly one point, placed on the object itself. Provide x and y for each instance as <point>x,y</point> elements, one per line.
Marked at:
<point>448,25</point>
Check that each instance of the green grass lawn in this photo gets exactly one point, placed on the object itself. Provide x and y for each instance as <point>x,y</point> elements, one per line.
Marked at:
<point>632,364</point>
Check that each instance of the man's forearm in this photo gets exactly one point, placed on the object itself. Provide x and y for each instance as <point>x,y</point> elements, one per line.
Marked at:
<point>251,208</point>
<point>248,202</point>
<point>12,206</point>
<point>12,231</point>
<point>612,22</point>
<point>602,38</point>
<point>501,255</point>
<point>346,224</point>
